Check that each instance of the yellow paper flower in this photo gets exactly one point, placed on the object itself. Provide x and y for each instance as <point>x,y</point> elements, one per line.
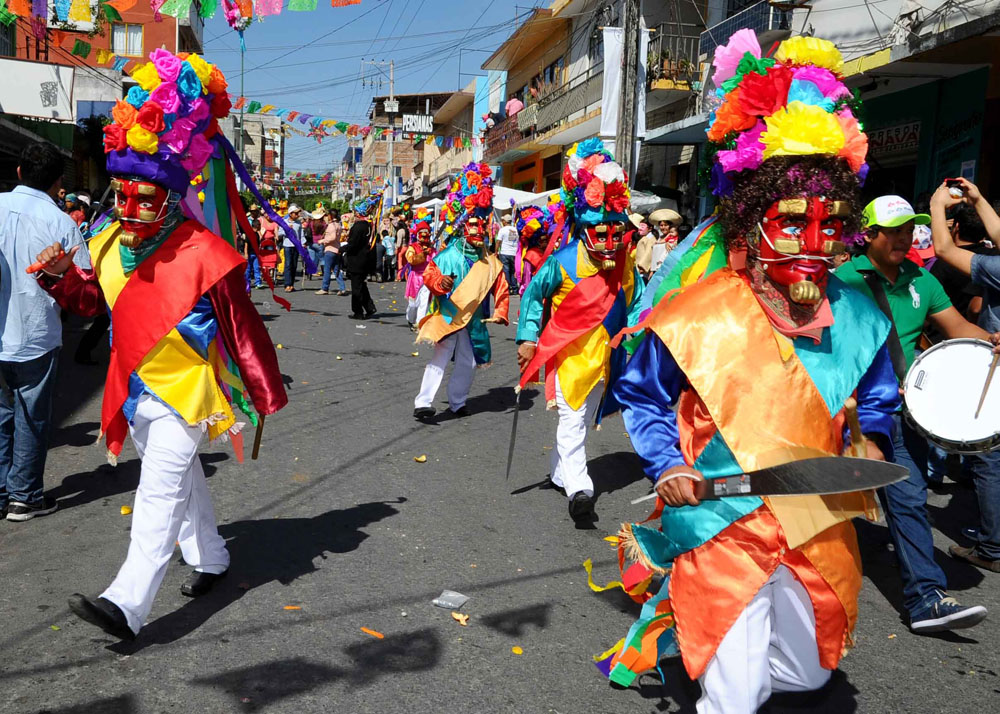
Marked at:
<point>801,129</point>
<point>142,140</point>
<point>810,50</point>
<point>147,76</point>
<point>201,68</point>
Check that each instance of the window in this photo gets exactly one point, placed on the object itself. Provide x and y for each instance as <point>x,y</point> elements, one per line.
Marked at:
<point>8,45</point>
<point>126,39</point>
<point>85,109</point>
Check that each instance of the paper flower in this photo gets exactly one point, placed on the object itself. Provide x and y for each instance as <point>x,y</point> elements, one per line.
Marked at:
<point>114,137</point>
<point>201,68</point>
<point>824,79</point>
<point>188,83</point>
<point>589,147</point>
<point>198,111</point>
<point>855,141</point>
<point>748,154</point>
<point>728,56</point>
<point>801,129</point>
<point>594,193</point>
<point>221,106</point>
<point>217,83</point>
<point>124,114</point>
<point>146,76</point>
<point>142,140</point>
<point>810,51</point>
<point>150,117</point>
<point>802,90</point>
<point>137,96</point>
<point>616,196</point>
<point>167,97</point>
<point>730,117</point>
<point>197,153</point>
<point>609,172</point>
<point>168,65</point>
<point>179,136</point>
<point>763,95</point>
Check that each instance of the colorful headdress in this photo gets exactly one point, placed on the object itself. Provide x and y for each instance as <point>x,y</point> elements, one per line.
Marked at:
<point>163,130</point>
<point>421,215</point>
<point>367,205</point>
<point>792,104</point>
<point>532,224</point>
<point>470,194</point>
<point>594,187</point>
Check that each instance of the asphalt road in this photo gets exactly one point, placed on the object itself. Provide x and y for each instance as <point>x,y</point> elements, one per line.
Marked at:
<point>337,520</point>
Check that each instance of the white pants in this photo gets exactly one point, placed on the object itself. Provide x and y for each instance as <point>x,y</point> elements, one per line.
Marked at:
<point>416,308</point>
<point>172,504</point>
<point>569,458</point>
<point>770,648</point>
<point>458,344</point>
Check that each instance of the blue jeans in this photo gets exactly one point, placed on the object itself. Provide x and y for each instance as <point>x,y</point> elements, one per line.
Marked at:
<point>291,265</point>
<point>253,269</point>
<point>986,475</point>
<point>905,505</point>
<point>331,265</point>
<point>508,268</point>
<point>316,253</point>
<point>24,427</point>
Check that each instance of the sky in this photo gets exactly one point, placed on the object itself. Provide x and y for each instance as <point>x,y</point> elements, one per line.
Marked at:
<point>312,61</point>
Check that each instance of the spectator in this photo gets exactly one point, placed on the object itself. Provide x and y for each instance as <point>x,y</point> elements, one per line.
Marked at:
<point>402,242</point>
<point>331,255</point>
<point>643,244</point>
<point>984,270</point>
<point>384,229</point>
<point>513,106</point>
<point>61,199</point>
<point>912,296</point>
<point>291,253</point>
<point>30,329</point>
<point>389,250</point>
<point>74,208</point>
<point>356,262</point>
<point>313,230</point>
<point>253,262</point>
<point>967,232</point>
<point>508,239</point>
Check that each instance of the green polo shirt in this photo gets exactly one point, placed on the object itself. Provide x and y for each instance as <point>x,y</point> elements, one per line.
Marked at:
<point>915,295</point>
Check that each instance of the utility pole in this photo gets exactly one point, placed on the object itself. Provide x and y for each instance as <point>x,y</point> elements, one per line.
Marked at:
<point>391,107</point>
<point>239,136</point>
<point>632,34</point>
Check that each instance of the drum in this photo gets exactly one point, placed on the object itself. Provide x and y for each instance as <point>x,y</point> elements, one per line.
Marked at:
<point>941,393</point>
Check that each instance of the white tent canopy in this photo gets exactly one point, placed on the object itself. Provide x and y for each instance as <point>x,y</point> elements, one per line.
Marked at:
<point>645,203</point>
<point>430,204</point>
<point>502,196</point>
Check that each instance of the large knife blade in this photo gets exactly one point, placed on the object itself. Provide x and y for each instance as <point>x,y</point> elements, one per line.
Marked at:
<point>513,430</point>
<point>818,476</point>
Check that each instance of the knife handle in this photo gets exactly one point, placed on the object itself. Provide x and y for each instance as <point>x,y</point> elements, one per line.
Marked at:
<point>857,438</point>
<point>716,488</point>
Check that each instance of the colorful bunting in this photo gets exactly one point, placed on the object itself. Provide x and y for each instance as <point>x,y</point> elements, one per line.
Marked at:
<point>21,8</point>
<point>81,49</point>
<point>62,9</point>
<point>302,5</point>
<point>79,11</point>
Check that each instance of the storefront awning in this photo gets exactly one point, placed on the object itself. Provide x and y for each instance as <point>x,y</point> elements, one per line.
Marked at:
<point>690,130</point>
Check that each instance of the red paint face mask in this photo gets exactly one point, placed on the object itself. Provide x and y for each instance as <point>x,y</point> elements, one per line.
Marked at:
<point>799,238</point>
<point>474,232</point>
<point>141,208</point>
<point>424,237</point>
<point>603,242</point>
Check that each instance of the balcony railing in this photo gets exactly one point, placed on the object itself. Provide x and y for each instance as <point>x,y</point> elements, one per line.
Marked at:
<point>577,94</point>
<point>763,18</point>
<point>448,162</point>
<point>673,55</point>
<point>504,136</point>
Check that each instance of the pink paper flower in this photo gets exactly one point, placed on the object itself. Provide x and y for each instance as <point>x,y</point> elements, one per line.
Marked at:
<point>199,110</point>
<point>824,79</point>
<point>594,193</point>
<point>749,151</point>
<point>168,65</point>
<point>729,55</point>
<point>179,135</point>
<point>198,154</point>
<point>166,96</point>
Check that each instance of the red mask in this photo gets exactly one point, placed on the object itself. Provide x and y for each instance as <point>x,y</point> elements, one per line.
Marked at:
<point>141,208</point>
<point>799,238</point>
<point>474,232</point>
<point>424,237</point>
<point>604,241</point>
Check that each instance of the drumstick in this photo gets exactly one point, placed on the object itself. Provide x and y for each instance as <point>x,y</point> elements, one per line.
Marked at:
<point>257,437</point>
<point>986,387</point>
<point>857,438</point>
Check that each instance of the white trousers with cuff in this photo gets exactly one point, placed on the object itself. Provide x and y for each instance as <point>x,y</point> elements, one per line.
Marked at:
<point>459,345</point>
<point>770,648</point>
<point>569,458</point>
<point>172,504</point>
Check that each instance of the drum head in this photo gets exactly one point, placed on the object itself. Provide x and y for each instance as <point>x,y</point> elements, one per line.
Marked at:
<point>942,391</point>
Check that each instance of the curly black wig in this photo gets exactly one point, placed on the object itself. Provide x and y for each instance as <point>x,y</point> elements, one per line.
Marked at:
<point>788,177</point>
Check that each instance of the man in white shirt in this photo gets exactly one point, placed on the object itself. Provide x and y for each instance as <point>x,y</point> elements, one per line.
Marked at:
<point>30,329</point>
<point>508,241</point>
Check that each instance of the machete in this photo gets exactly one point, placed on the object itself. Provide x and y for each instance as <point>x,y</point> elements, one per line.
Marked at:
<point>820,476</point>
<point>513,430</point>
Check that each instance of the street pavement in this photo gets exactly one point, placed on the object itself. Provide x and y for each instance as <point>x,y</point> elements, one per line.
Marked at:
<point>337,528</point>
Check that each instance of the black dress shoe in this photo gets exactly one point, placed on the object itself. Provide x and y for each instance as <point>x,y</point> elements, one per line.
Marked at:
<point>423,412</point>
<point>462,411</point>
<point>581,509</point>
<point>356,317</point>
<point>102,613</point>
<point>370,315</point>
<point>200,583</point>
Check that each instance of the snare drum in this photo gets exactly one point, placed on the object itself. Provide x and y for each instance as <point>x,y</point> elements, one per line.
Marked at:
<point>942,391</point>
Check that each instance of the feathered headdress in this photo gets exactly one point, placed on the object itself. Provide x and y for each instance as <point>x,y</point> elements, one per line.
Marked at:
<point>792,104</point>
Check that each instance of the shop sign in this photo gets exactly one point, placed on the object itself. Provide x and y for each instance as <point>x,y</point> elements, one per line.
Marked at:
<point>418,123</point>
<point>892,140</point>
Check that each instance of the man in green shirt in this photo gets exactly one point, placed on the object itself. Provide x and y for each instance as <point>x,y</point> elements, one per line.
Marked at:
<point>914,296</point>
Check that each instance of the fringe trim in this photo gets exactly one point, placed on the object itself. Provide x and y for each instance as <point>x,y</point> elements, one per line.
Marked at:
<point>212,420</point>
<point>634,553</point>
<point>424,341</point>
<point>551,405</point>
<point>236,428</point>
<point>485,365</point>
<point>112,458</point>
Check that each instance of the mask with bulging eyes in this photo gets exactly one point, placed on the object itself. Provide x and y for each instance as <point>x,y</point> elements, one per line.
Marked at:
<point>798,240</point>
<point>603,242</point>
<point>141,208</point>
<point>474,232</point>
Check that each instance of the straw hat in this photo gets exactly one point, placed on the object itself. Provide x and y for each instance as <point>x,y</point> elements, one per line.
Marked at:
<point>319,213</point>
<point>666,214</point>
<point>636,218</point>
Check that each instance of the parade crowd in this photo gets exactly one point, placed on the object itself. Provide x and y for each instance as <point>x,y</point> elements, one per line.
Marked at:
<point>784,323</point>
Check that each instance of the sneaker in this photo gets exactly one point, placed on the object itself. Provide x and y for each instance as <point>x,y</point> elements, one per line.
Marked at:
<point>970,555</point>
<point>946,614</point>
<point>260,286</point>
<point>322,292</point>
<point>19,512</point>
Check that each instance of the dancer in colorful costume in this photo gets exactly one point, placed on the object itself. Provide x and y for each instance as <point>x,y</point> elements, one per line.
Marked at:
<point>748,368</point>
<point>460,279</point>
<point>418,255</point>
<point>187,342</point>
<point>534,227</point>
<point>593,290</point>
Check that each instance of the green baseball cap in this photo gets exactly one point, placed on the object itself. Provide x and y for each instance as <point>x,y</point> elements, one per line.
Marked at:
<point>891,212</point>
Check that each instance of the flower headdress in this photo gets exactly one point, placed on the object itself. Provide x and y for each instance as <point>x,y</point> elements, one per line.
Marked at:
<point>163,130</point>
<point>471,193</point>
<point>792,104</point>
<point>366,205</point>
<point>421,215</point>
<point>532,223</point>
<point>594,187</point>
